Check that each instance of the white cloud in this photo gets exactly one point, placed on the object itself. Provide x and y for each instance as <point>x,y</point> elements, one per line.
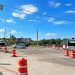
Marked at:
<point>25,10</point>
<point>29,9</point>
<point>54,4</point>
<point>59,22</point>
<point>51,19</point>
<point>68,4</point>
<point>57,4</point>
<point>9,21</point>
<point>13,32</point>
<point>21,16</point>
<point>70,12</point>
<point>2,30</point>
<point>56,22</point>
<point>50,34</point>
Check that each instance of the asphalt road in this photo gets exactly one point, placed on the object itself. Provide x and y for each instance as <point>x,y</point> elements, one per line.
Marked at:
<point>50,55</point>
<point>41,61</point>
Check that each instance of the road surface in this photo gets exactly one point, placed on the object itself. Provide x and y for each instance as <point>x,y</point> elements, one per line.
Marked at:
<point>41,61</point>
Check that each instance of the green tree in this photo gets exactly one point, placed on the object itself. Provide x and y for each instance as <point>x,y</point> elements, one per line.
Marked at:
<point>12,40</point>
<point>58,42</point>
<point>53,41</point>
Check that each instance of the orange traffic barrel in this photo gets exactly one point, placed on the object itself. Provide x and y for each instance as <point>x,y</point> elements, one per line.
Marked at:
<point>22,67</point>
<point>5,49</point>
<point>67,52</point>
<point>72,54</point>
<point>14,53</point>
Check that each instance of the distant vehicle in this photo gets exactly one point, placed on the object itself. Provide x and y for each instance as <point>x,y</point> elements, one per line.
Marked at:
<point>69,44</point>
<point>21,46</point>
<point>65,44</point>
<point>2,43</point>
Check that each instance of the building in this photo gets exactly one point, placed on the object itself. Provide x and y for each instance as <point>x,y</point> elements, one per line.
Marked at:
<point>23,39</point>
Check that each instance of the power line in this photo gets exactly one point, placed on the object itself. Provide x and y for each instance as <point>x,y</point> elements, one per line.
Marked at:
<point>55,17</point>
<point>41,14</point>
<point>12,7</point>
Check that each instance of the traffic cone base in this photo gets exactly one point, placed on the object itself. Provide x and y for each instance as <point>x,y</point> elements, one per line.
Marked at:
<point>22,74</point>
<point>14,55</point>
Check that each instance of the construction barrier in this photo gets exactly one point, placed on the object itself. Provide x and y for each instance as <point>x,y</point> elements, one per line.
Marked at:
<point>5,49</point>
<point>22,67</point>
<point>67,52</point>
<point>72,54</point>
<point>14,53</point>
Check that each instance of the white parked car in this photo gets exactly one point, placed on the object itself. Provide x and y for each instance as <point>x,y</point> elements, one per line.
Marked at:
<point>19,46</point>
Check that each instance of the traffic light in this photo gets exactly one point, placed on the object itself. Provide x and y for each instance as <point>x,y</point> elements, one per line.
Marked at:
<point>1,6</point>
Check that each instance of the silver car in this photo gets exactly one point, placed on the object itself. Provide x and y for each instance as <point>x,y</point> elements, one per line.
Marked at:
<point>19,46</point>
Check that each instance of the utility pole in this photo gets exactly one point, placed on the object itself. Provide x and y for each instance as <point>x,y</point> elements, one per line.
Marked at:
<point>5,35</point>
<point>10,33</point>
<point>37,36</point>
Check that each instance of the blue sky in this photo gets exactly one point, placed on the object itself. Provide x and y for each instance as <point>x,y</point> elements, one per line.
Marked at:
<point>53,18</point>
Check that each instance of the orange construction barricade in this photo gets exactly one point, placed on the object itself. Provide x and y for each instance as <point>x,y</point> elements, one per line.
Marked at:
<point>67,52</point>
<point>72,55</point>
<point>22,67</point>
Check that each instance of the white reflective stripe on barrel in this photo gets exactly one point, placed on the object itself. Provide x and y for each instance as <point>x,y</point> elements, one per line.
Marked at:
<point>22,73</point>
<point>72,53</point>
<point>22,66</point>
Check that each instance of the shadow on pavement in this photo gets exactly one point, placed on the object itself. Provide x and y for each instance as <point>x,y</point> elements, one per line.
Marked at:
<point>1,73</point>
<point>4,64</point>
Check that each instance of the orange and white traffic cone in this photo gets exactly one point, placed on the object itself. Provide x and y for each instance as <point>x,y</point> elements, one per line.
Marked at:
<point>22,67</point>
<point>14,53</point>
<point>5,49</point>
